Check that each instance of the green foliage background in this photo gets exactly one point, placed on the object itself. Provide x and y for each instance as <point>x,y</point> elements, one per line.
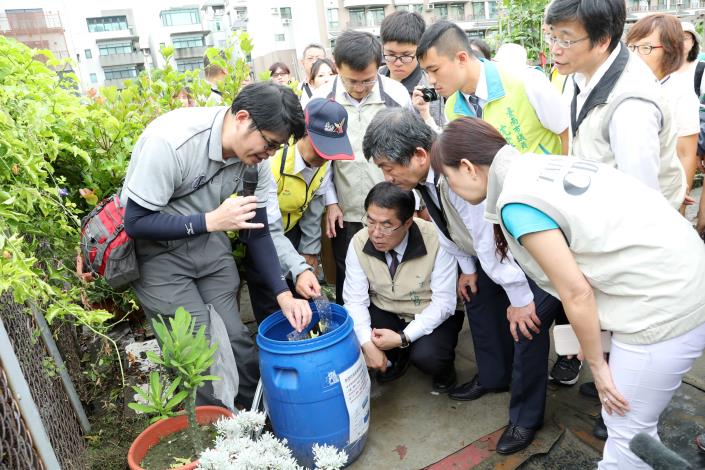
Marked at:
<point>61,153</point>
<point>520,22</point>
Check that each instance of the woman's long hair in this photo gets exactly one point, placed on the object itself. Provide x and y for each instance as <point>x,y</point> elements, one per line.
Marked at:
<point>474,140</point>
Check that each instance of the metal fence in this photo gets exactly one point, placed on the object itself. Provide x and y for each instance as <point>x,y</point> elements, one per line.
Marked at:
<point>21,432</point>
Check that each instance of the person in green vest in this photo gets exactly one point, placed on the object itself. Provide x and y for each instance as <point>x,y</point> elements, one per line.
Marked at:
<point>301,175</point>
<point>520,103</point>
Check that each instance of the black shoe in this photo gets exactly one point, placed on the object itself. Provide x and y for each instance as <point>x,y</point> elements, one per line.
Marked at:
<point>471,390</point>
<point>589,390</point>
<point>566,371</point>
<point>514,439</point>
<point>396,370</point>
<point>599,430</point>
<point>443,383</point>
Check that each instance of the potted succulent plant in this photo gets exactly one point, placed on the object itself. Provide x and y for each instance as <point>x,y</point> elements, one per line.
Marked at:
<point>187,356</point>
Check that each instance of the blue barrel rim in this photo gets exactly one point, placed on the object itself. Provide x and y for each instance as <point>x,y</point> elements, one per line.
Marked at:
<point>306,345</point>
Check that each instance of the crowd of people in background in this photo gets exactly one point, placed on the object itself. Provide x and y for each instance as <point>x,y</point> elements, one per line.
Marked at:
<point>451,183</point>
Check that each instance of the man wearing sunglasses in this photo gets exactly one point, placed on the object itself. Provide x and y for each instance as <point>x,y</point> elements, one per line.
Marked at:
<point>184,170</point>
<point>400,291</point>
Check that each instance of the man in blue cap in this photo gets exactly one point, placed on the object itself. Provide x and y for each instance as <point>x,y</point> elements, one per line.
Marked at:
<point>301,175</point>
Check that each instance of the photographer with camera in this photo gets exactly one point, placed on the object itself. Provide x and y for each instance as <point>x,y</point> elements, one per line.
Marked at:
<point>521,104</point>
<point>401,32</point>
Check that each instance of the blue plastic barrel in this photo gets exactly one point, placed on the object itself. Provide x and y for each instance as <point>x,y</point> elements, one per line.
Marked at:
<point>315,390</point>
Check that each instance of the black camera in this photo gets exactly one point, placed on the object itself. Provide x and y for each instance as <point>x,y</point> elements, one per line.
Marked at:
<point>429,94</point>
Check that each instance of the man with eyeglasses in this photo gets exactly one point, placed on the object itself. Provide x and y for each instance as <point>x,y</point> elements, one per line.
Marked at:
<point>400,291</point>
<point>363,93</point>
<point>178,193</point>
<point>400,33</point>
<point>519,102</point>
<point>311,54</point>
<point>617,111</point>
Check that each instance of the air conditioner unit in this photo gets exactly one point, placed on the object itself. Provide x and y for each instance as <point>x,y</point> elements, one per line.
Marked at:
<point>274,11</point>
<point>286,21</point>
<point>429,7</point>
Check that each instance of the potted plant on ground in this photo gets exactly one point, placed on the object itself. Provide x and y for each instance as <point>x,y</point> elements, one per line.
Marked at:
<point>188,357</point>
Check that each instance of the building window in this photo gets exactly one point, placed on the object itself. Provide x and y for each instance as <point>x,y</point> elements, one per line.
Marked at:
<point>181,16</point>
<point>366,17</point>
<point>285,13</point>
<point>241,14</point>
<point>478,10</point>
<point>440,10</point>
<point>88,53</point>
<point>182,65</point>
<point>492,9</point>
<point>112,48</point>
<point>106,23</point>
<point>279,37</point>
<point>457,11</point>
<point>94,78</point>
<point>119,73</point>
<point>333,20</point>
<point>183,42</point>
<point>414,7</point>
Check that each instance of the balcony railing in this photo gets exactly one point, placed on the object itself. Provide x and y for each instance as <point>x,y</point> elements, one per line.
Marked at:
<point>121,59</point>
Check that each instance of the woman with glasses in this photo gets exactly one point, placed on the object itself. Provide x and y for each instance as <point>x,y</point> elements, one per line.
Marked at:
<point>658,40</point>
<point>280,73</point>
<point>643,281</point>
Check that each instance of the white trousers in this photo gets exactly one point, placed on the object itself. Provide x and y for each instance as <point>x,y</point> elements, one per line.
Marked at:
<point>647,376</point>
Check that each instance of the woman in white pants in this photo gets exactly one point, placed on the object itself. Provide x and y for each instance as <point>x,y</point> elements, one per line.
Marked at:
<point>614,251</point>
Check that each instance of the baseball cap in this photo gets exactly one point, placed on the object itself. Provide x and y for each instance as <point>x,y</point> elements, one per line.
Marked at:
<point>327,126</point>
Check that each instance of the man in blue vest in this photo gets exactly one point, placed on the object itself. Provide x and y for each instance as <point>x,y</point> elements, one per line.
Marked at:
<point>301,176</point>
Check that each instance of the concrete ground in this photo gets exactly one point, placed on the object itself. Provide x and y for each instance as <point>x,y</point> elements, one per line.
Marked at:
<point>410,428</point>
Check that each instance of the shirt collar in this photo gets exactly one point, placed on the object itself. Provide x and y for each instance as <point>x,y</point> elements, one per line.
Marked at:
<point>581,80</point>
<point>401,247</point>
<point>481,90</point>
<point>215,142</point>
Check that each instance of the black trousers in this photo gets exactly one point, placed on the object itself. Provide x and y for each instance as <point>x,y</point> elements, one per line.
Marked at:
<point>433,354</point>
<point>500,361</point>
<point>341,242</point>
<point>263,300</point>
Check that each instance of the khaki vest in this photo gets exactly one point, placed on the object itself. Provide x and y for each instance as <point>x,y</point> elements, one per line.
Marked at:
<point>293,193</point>
<point>509,110</point>
<point>456,227</point>
<point>591,141</point>
<point>644,261</point>
<point>353,179</point>
<point>409,293</point>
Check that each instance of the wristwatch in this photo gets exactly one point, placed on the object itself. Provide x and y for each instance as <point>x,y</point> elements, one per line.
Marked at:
<point>404,340</point>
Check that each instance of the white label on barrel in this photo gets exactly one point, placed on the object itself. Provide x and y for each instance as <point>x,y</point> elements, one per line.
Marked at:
<point>355,383</point>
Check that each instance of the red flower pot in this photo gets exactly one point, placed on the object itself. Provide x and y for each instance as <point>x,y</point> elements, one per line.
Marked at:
<point>155,432</point>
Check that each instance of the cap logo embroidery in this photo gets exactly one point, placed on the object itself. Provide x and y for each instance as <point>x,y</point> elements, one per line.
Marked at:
<point>336,127</point>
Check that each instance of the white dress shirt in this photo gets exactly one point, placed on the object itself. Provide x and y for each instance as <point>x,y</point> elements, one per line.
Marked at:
<point>505,273</point>
<point>544,98</point>
<point>633,128</point>
<point>356,294</point>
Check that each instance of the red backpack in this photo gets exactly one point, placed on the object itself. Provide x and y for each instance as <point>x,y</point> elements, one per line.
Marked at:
<point>106,248</point>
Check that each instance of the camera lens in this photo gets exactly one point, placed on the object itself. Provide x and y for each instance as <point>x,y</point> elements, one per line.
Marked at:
<point>429,94</point>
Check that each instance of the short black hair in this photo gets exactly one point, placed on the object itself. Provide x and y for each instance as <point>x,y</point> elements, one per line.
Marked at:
<point>279,65</point>
<point>600,18</point>
<point>448,39</point>
<point>357,50</point>
<point>313,45</point>
<point>394,134</point>
<point>483,46</point>
<point>693,52</point>
<point>402,27</point>
<point>388,196</point>
<point>274,108</point>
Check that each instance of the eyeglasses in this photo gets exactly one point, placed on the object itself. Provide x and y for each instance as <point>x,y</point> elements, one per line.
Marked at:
<point>562,43</point>
<point>643,49</point>
<point>404,59</point>
<point>269,145</point>
<point>280,74</point>
<point>356,83</point>
<point>383,228</point>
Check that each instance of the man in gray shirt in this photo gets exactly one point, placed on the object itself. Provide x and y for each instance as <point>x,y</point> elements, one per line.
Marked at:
<point>178,197</point>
